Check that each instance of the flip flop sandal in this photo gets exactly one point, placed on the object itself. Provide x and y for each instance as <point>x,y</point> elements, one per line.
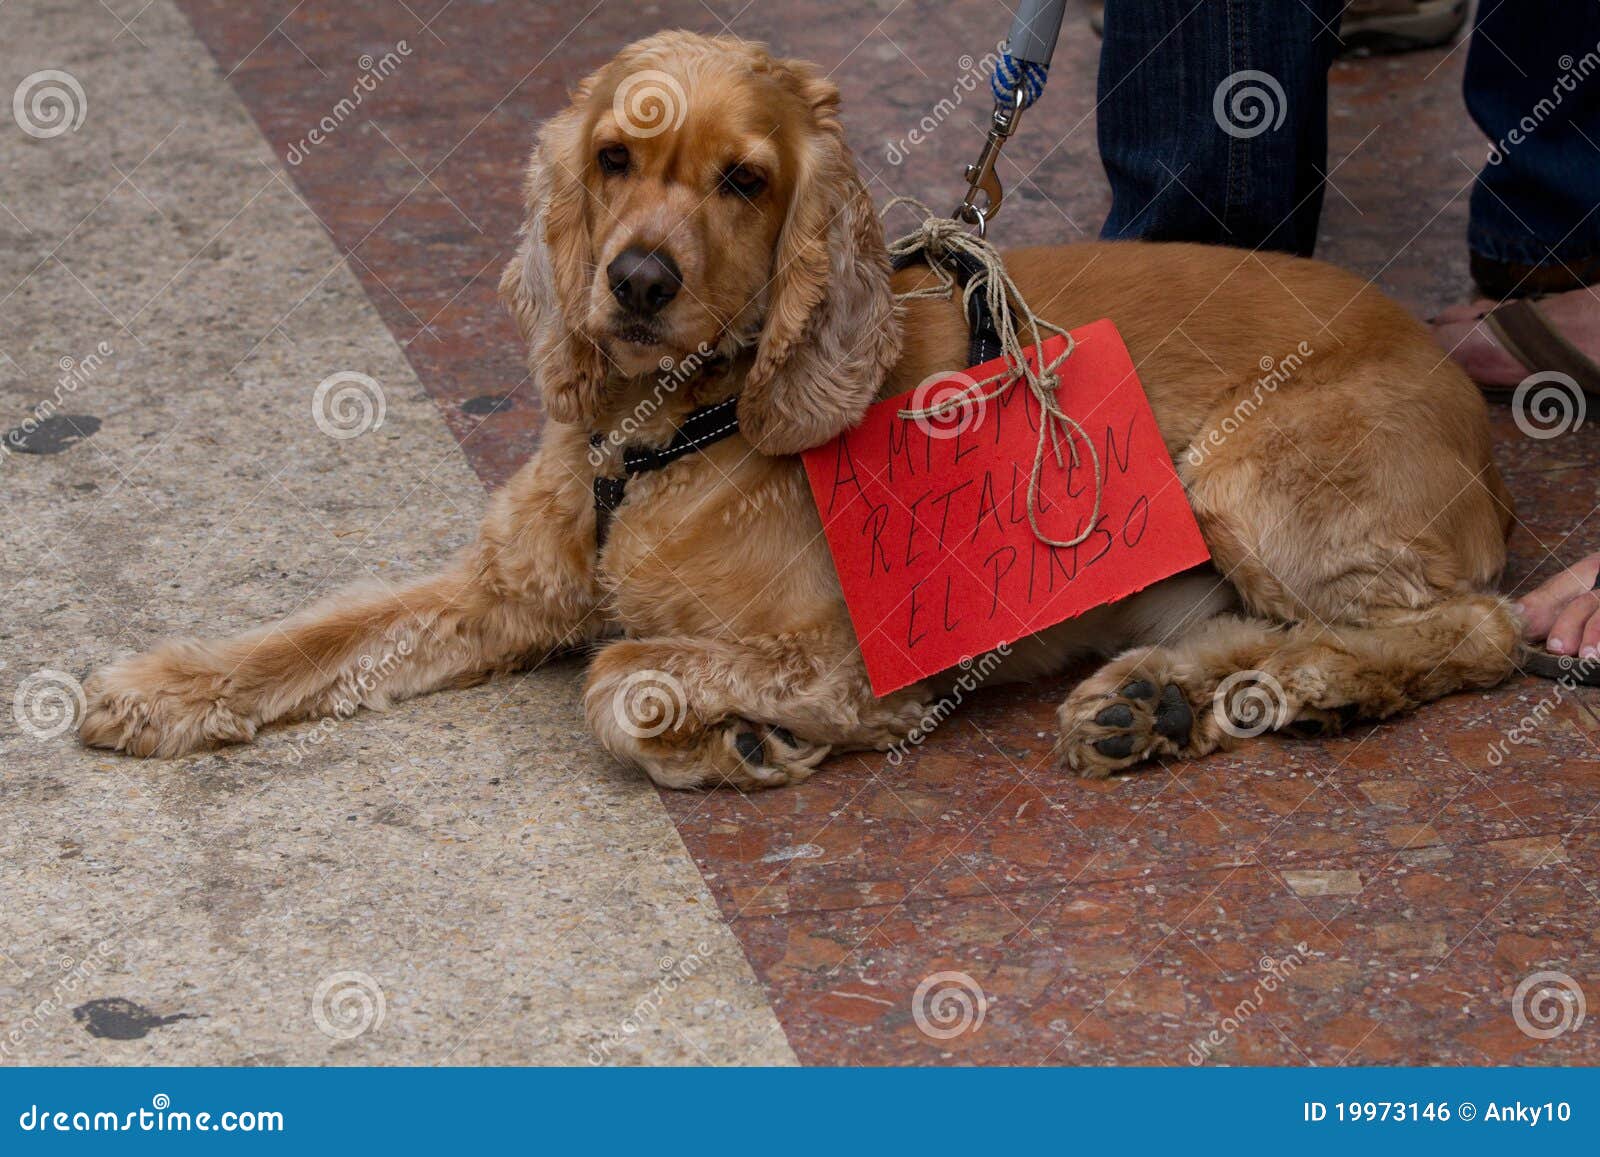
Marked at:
<point>1383,27</point>
<point>1562,668</point>
<point>1527,334</point>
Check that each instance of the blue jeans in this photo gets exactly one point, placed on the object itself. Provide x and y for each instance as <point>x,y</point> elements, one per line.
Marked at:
<point>1213,123</point>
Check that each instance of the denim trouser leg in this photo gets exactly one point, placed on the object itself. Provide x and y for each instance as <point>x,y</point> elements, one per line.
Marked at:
<point>1214,119</point>
<point>1533,86</point>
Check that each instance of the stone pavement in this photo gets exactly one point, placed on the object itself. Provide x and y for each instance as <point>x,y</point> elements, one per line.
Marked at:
<point>508,890</point>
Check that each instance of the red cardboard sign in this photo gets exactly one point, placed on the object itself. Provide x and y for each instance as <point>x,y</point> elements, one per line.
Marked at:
<point>927,519</point>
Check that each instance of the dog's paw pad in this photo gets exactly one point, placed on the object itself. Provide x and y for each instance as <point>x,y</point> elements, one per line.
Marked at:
<point>1104,733</point>
<point>1120,715</point>
<point>1174,718</point>
<point>1115,747</point>
<point>750,746</point>
<point>765,755</point>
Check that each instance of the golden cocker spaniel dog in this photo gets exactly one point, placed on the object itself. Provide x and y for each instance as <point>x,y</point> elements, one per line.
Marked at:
<point>1356,523</point>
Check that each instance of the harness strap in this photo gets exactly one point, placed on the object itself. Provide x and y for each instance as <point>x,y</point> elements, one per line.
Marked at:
<point>711,424</point>
<point>983,344</point>
<point>700,428</point>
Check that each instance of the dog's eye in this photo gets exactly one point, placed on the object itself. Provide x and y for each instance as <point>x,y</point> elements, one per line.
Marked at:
<point>614,159</point>
<point>744,181</point>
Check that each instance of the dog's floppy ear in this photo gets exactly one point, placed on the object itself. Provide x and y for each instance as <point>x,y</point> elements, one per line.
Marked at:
<point>546,284</point>
<point>830,334</point>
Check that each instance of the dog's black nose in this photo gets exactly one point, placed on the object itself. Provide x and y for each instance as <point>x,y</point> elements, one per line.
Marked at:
<point>644,280</point>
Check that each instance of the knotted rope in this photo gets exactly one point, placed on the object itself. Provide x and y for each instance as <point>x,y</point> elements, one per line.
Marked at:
<point>941,236</point>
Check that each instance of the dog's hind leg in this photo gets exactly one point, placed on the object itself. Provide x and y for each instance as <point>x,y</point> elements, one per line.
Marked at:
<point>1234,677</point>
<point>750,714</point>
<point>525,589</point>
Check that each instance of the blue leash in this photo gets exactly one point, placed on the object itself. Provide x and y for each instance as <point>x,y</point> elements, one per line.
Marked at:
<point>1018,80</point>
<point>1011,74</point>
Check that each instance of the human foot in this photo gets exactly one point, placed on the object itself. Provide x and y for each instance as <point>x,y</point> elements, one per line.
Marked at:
<point>1564,611</point>
<point>1462,331</point>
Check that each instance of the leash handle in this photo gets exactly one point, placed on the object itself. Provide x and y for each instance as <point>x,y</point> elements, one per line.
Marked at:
<point>1035,30</point>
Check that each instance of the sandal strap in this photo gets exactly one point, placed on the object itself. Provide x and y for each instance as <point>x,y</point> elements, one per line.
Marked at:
<point>1563,668</point>
<point>1528,335</point>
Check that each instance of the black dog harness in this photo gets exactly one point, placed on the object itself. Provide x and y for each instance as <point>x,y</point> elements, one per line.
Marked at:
<point>700,428</point>
<point>711,424</point>
<point>984,343</point>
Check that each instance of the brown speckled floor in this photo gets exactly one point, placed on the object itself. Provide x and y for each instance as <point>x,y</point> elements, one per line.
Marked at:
<point>1399,884</point>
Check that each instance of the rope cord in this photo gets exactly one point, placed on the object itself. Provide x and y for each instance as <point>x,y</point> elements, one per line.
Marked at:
<point>1011,74</point>
<point>938,236</point>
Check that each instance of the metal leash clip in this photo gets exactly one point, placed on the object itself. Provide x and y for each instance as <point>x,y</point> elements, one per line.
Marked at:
<point>981,177</point>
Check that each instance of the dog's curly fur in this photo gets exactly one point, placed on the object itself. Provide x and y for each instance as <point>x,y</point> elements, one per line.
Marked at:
<point>1356,521</point>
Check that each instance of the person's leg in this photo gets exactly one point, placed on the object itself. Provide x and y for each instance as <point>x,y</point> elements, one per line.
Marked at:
<point>1213,119</point>
<point>1533,87</point>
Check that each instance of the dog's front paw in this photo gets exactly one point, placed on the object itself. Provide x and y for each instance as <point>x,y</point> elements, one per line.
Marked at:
<point>1130,710</point>
<point>166,702</point>
<point>756,756</point>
